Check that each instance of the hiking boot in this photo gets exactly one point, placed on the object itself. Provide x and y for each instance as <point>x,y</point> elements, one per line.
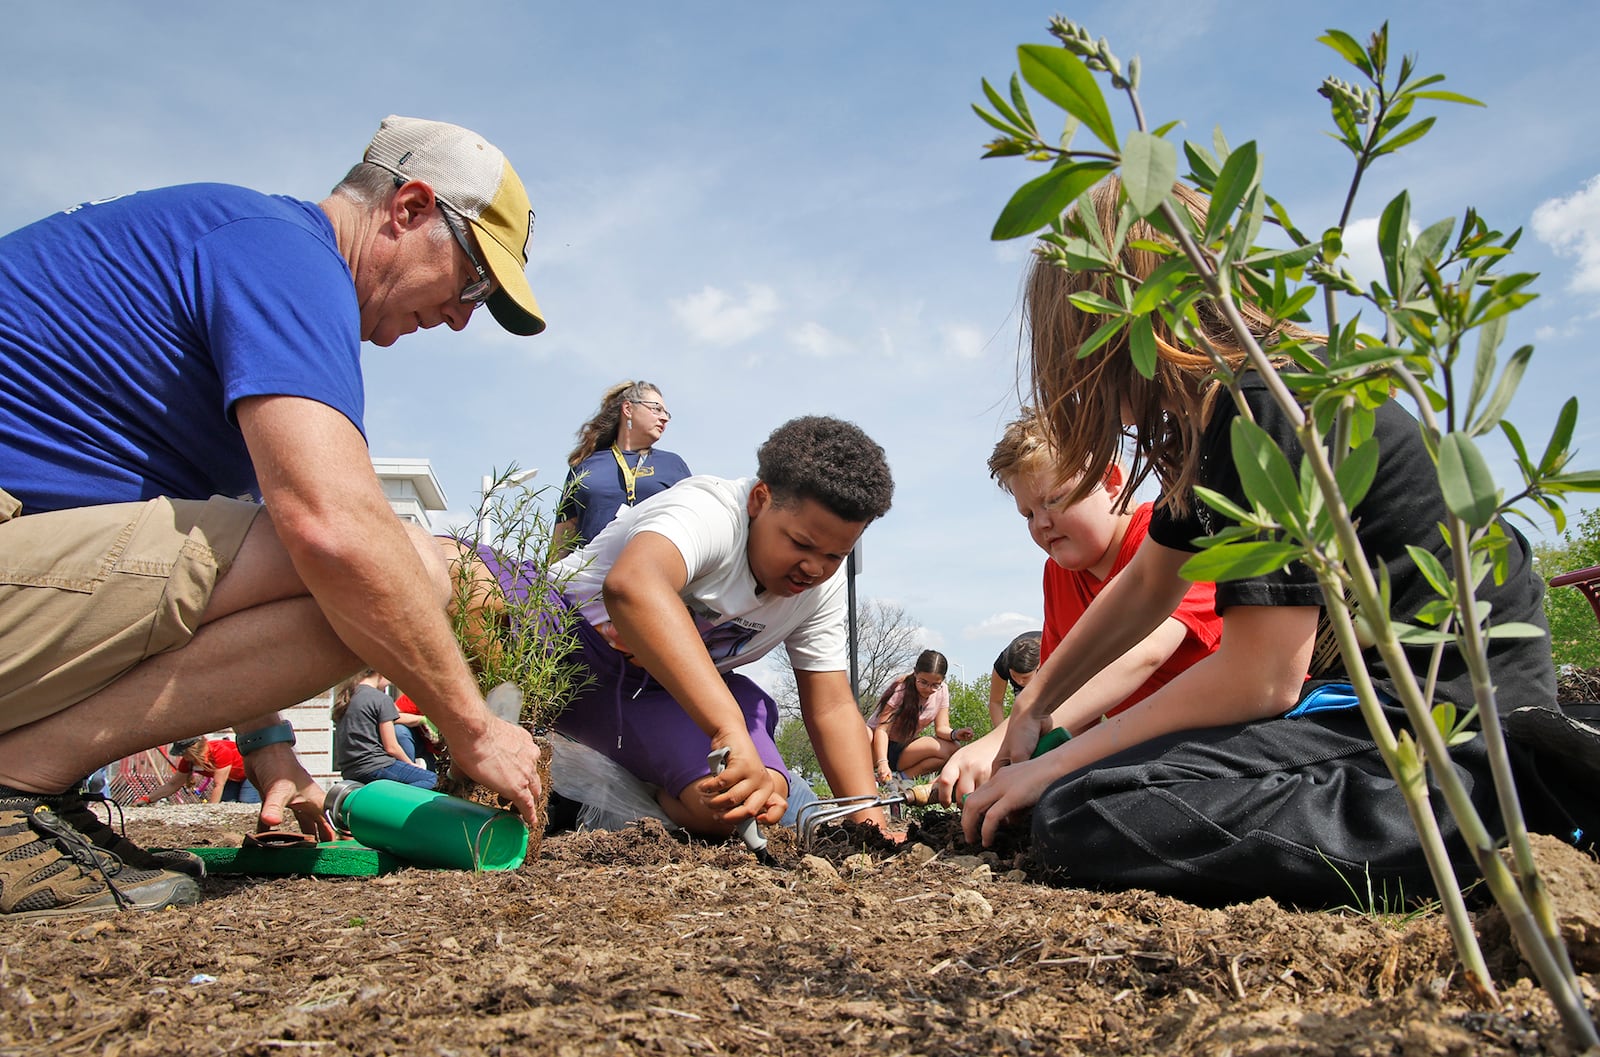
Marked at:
<point>74,807</point>
<point>49,869</point>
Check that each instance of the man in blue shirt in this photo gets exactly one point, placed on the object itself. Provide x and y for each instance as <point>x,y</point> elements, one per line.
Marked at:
<point>191,533</point>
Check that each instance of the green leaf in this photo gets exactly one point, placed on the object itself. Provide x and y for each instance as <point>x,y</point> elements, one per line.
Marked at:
<point>1010,131</point>
<point>1238,176</point>
<point>1239,561</point>
<point>1433,239</point>
<point>1149,167</point>
<point>1062,78</point>
<point>1002,108</point>
<point>1432,569</point>
<point>1241,239</point>
<point>1164,279</point>
<point>1446,97</point>
<point>1579,481</point>
<point>1268,479</point>
<point>1516,629</point>
<point>1357,471</point>
<point>1560,437</point>
<point>1411,635</point>
<point>1349,48</point>
<point>1202,164</point>
<point>1393,230</point>
<point>1466,482</point>
<point>1142,344</point>
<point>1489,337</point>
<point>1510,378</point>
<point>1044,198</point>
<point>1404,136</point>
<point>1444,717</point>
<point>1222,504</point>
<point>1094,303</point>
<point>1021,101</point>
<point>1435,612</point>
<point>1105,333</point>
<point>1516,442</point>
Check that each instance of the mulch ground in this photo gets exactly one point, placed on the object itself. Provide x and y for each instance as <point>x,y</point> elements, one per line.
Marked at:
<point>637,942</point>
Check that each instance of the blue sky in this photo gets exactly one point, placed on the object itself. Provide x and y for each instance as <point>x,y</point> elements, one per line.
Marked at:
<point>772,210</point>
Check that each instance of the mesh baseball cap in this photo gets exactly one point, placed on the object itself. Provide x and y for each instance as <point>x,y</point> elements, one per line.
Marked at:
<point>471,177</point>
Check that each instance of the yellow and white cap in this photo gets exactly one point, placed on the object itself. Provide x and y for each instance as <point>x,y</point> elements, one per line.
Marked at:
<point>470,176</point>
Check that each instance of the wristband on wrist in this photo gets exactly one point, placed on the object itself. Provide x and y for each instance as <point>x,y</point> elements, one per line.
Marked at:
<point>260,739</point>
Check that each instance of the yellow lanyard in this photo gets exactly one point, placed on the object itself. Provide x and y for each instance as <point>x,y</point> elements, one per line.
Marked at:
<point>631,474</point>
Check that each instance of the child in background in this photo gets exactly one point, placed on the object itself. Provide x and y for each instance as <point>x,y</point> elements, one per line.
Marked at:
<point>1088,542</point>
<point>216,758</point>
<point>907,706</point>
<point>417,738</point>
<point>1014,668</point>
<point>697,581</point>
<point>365,746</point>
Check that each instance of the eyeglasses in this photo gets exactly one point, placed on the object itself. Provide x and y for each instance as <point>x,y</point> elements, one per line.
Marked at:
<point>929,685</point>
<point>475,292</point>
<point>659,408</point>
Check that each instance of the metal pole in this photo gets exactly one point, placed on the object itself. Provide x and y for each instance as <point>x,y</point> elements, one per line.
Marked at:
<point>850,581</point>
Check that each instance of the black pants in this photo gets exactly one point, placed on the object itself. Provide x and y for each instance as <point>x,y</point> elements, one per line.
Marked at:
<point>1302,810</point>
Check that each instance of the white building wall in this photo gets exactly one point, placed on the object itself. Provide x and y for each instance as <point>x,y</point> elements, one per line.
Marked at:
<point>413,493</point>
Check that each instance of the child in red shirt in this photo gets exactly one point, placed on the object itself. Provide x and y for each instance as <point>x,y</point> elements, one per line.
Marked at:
<point>1088,543</point>
<point>218,759</point>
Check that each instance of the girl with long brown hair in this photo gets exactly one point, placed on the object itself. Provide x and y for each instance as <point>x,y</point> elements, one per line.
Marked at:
<point>1252,773</point>
<point>907,706</point>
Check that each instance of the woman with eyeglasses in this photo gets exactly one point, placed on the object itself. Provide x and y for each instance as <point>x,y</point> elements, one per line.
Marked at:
<point>906,708</point>
<point>616,463</point>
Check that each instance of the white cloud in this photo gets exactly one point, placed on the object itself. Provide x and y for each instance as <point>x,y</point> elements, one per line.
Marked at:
<point>1361,250</point>
<point>715,316</point>
<point>1571,227</point>
<point>816,340</point>
<point>1002,625</point>
<point>959,341</point>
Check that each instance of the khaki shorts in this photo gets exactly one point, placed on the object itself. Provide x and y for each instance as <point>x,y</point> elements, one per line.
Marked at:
<point>88,594</point>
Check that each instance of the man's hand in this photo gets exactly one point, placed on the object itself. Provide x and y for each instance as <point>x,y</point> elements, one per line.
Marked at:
<point>745,788</point>
<point>285,786</point>
<point>505,759</point>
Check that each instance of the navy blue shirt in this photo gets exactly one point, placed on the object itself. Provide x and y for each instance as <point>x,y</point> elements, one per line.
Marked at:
<point>595,488</point>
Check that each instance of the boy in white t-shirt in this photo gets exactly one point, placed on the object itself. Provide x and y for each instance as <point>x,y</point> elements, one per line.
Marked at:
<point>708,576</point>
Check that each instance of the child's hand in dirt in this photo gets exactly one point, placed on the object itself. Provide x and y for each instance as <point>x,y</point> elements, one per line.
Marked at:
<point>967,768</point>
<point>1008,791</point>
<point>745,788</point>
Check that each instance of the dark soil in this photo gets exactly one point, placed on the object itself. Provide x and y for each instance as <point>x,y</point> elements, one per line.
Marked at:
<point>636,942</point>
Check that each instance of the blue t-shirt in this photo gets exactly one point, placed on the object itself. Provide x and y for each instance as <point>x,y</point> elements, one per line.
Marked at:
<point>595,489</point>
<point>130,327</point>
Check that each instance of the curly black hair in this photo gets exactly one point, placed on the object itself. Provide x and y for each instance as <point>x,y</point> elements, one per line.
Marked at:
<point>831,461</point>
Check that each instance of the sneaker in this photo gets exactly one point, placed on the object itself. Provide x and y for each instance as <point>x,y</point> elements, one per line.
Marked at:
<point>49,869</point>
<point>74,807</point>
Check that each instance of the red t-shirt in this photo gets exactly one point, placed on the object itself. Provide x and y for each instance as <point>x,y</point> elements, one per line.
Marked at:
<point>1068,592</point>
<point>220,753</point>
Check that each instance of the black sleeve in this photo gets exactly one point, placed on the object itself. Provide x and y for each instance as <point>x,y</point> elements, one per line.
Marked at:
<point>1295,585</point>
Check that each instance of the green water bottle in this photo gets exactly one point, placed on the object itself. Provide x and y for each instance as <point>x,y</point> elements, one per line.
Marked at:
<point>426,827</point>
<point>1049,740</point>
